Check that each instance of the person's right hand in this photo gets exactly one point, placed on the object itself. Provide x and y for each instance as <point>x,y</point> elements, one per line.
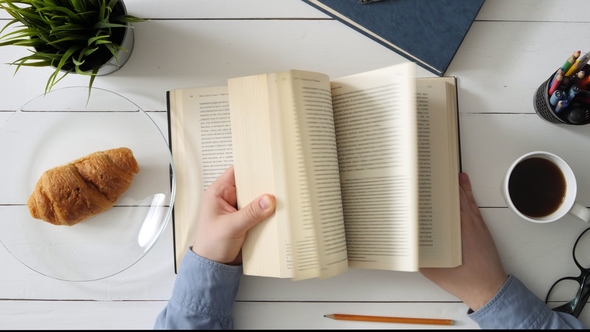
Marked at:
<point>481,275</point>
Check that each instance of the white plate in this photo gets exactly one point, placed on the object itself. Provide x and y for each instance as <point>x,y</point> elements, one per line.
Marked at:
<point>58,128</point>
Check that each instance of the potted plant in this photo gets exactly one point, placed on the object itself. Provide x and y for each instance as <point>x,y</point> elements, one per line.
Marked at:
<point>87,37</point>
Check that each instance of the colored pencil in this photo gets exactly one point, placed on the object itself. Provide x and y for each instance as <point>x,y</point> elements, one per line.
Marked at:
<point>555,84</point>
<point>568,63</point>
<point>584,82</point>
<point>386,319</point>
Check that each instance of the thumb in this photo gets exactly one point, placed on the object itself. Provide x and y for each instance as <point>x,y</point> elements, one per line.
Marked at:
<point>258,210</point>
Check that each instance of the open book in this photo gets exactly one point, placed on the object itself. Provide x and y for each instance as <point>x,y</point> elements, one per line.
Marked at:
<point>364,168</point>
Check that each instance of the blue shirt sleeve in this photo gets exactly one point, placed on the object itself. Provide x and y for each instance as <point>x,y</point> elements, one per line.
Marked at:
<point>203,296</point>
<point>516,307</point>
<point>205,291</point>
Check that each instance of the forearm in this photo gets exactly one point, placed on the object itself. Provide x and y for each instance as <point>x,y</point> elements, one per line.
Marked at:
<point>516,307</point>
<point>203,296</point>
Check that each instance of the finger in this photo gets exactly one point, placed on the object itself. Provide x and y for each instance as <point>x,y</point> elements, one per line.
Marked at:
<point>465,183</point>
<point>464,203</point>
<point>225,186</point>
<point>227,177</point>
<point>255,212</point>
<point>467,215</point>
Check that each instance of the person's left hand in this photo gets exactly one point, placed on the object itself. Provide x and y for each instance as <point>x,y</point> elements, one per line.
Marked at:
<point>222,228</point>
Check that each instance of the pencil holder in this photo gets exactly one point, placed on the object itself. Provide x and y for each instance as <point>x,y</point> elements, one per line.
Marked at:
<point>576,113</point>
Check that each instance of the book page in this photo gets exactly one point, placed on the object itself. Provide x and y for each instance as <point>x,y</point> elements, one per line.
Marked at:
<point>291,185</point>
<point>200,141</point>
<point>283,131</point>
<point>440,238</point>
<point>258,169</point>
<point>375,121</point>
<point>316,149</point>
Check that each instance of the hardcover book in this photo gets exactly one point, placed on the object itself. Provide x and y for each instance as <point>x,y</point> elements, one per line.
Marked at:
<point>428,33</point>
<point>364,168</point>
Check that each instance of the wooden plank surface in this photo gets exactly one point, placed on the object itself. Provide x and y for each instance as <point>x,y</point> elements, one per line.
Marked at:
<point>217,50</point>
<point>132,315</point>
<point>511,48</point>
<point>266,46</point>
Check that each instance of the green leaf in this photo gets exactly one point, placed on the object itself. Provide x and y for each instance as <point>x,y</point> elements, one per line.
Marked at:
<point>65,58</point>
<point>98,38</point>
<point>79,71</point>
<point>102,10</point>
<point>12,43</point>
<point>92,77</point>
<point>87,51</point>
<point>130,19</point>
<point>11,22</point>
<point>40,56</point>
<point>69,27</point>
<point>53,9</point>
<point>65,39</point>
<point>103,42</point>
<point>37,64</point>
<point>80,6</point>
<point>114,50</point>
<point>51,82</point>
<point>112,3</point>
<point>77,63</point>
<point>106,25</point>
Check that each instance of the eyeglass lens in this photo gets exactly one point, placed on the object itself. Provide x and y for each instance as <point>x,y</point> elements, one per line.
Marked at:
<point>582,250</point>
<point>567,292</point>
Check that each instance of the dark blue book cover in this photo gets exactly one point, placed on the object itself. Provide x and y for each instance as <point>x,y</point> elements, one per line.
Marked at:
<point>427,32</point>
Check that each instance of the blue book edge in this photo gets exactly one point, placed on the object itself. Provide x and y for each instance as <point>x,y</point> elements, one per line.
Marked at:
<point>382,41</point>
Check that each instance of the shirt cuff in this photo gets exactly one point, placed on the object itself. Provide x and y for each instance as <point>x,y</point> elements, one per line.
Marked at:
<point>206,287</point>
<point>513,307</point>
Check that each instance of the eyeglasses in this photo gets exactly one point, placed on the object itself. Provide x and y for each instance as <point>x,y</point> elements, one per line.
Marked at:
<point>575,290</point>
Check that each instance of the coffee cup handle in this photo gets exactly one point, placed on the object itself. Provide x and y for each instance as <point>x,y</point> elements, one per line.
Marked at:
<point>580,211</point>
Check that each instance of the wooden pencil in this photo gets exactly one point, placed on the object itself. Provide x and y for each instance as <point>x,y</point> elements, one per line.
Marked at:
<point>386,319</point>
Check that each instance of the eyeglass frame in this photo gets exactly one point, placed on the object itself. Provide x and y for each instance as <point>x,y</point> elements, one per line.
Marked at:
<point>574,306</point>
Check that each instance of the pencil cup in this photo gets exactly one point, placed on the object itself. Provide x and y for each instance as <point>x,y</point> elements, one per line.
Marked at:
<point>568,111</point>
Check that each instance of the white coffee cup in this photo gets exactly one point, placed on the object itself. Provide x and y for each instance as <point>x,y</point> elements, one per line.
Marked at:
<point>568,205</point>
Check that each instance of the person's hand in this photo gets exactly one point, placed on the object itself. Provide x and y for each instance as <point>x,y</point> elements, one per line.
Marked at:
<point>481,275</point>
<point>222,228</point>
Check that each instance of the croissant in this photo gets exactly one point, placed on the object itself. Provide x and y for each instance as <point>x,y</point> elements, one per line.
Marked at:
<point>85,187</point>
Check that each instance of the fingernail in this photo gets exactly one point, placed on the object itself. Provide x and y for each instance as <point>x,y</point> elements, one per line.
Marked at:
<point>265,202</point>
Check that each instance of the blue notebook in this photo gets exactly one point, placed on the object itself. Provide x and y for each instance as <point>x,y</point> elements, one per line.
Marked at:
<point>427,32</point>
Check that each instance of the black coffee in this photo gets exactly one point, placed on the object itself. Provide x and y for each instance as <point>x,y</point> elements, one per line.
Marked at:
<point>536,187</point>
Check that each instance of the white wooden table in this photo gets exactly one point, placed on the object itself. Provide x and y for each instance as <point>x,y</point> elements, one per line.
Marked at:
<point>511,48</point>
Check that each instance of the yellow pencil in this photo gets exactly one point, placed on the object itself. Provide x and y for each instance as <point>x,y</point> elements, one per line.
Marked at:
<point>570,61</point>
<point>578,65</point>
<point>386,319</point>
<point>573,68</point>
